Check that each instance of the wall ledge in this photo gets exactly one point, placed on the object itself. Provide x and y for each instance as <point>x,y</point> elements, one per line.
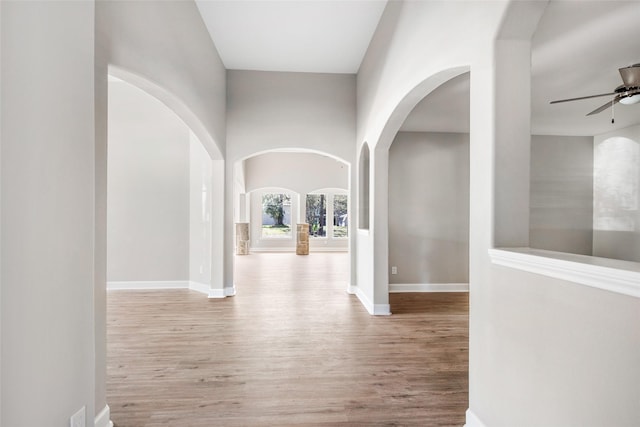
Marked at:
<point>622,277</point>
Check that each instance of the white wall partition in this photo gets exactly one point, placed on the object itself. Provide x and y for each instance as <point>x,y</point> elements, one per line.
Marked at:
<point>48,212</point>
<point>551,340</point>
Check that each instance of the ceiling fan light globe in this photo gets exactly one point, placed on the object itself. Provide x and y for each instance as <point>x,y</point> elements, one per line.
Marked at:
<point>628,100</point>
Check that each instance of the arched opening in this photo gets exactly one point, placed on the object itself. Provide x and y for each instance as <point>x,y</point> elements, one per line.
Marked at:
<point>428,198</point>
<point>429,194</point>
<point>159,185</point>
<point>275,190</point>
<point>174,104</point>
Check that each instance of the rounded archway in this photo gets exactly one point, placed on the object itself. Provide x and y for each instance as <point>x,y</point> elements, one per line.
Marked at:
<point>308,180</point>
<point>174,104</point>
<point>147,116</point>
<point>429,198</point>
<point>373,267</point>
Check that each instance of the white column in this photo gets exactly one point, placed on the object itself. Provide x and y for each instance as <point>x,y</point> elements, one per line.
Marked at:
<point>219,233</point>
<point>379,227</point>
<point>512,142</point>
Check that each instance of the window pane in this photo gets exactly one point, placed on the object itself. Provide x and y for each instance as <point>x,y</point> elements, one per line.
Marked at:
<point>317,215</point>
<point>340,218</point>
<point>276,216</point>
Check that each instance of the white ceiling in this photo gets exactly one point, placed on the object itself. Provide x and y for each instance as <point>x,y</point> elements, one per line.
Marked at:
<point>322,36</point>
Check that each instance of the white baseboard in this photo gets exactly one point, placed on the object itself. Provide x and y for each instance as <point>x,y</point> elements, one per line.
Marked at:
<point>472,420</point>
<point>144,285</point>
<point>203,288</point>
<point>283,249</point>
<point>381,310</point>
<point>373,309</point>
<point>312,249</point>
<point>428,287</point>
<point>103,419</point>
<point>222,293</point>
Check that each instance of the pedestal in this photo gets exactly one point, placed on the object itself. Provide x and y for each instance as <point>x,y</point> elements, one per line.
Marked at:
<point>302,239</point>
<point>242,238</point>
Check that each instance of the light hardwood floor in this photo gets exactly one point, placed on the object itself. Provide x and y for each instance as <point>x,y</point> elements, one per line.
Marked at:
<point>291,348</point>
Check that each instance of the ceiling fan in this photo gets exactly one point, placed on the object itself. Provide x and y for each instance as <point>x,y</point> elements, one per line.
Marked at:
<point>627,93</point>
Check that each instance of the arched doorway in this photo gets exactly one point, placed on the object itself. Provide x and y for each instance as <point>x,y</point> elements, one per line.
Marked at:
<point>161,217</point>
<point>301,181</point>
<point>429,194</point>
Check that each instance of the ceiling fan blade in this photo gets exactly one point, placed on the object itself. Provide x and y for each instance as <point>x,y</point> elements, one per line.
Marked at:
<point>630,75</point>
<point>582,97</point>
<point>605,106</point>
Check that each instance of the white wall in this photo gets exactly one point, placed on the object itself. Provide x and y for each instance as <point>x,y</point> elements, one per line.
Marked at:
<point>301,172</point>
<point>562,194</point>
<point>167,44</point>
<point>539,347</point>
<point>268,111</point>
<point>429,208</point>
<point>47,244</point>
<point>199,213</point>
<point>0,213</point>
<point>616,195</point>
<point>148,189</point>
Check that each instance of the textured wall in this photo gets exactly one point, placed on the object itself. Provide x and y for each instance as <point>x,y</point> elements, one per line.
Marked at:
<point>429,208</point>
<point>562,194</point>
<point>616,216</point>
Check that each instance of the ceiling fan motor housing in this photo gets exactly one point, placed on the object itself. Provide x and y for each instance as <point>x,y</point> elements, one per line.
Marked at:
<point>629,92</point>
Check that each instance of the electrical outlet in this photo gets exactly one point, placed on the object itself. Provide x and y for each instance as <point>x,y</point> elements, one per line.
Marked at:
<point>394,270</point>
<point>79,418</point>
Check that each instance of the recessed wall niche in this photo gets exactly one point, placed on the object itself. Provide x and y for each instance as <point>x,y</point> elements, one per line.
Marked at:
<point>363,188</point>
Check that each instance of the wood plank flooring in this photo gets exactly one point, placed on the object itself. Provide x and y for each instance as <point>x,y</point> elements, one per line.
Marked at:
<point>291,348</point>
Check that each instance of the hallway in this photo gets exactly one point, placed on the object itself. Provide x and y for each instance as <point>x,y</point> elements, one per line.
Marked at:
<point>292,348</point>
